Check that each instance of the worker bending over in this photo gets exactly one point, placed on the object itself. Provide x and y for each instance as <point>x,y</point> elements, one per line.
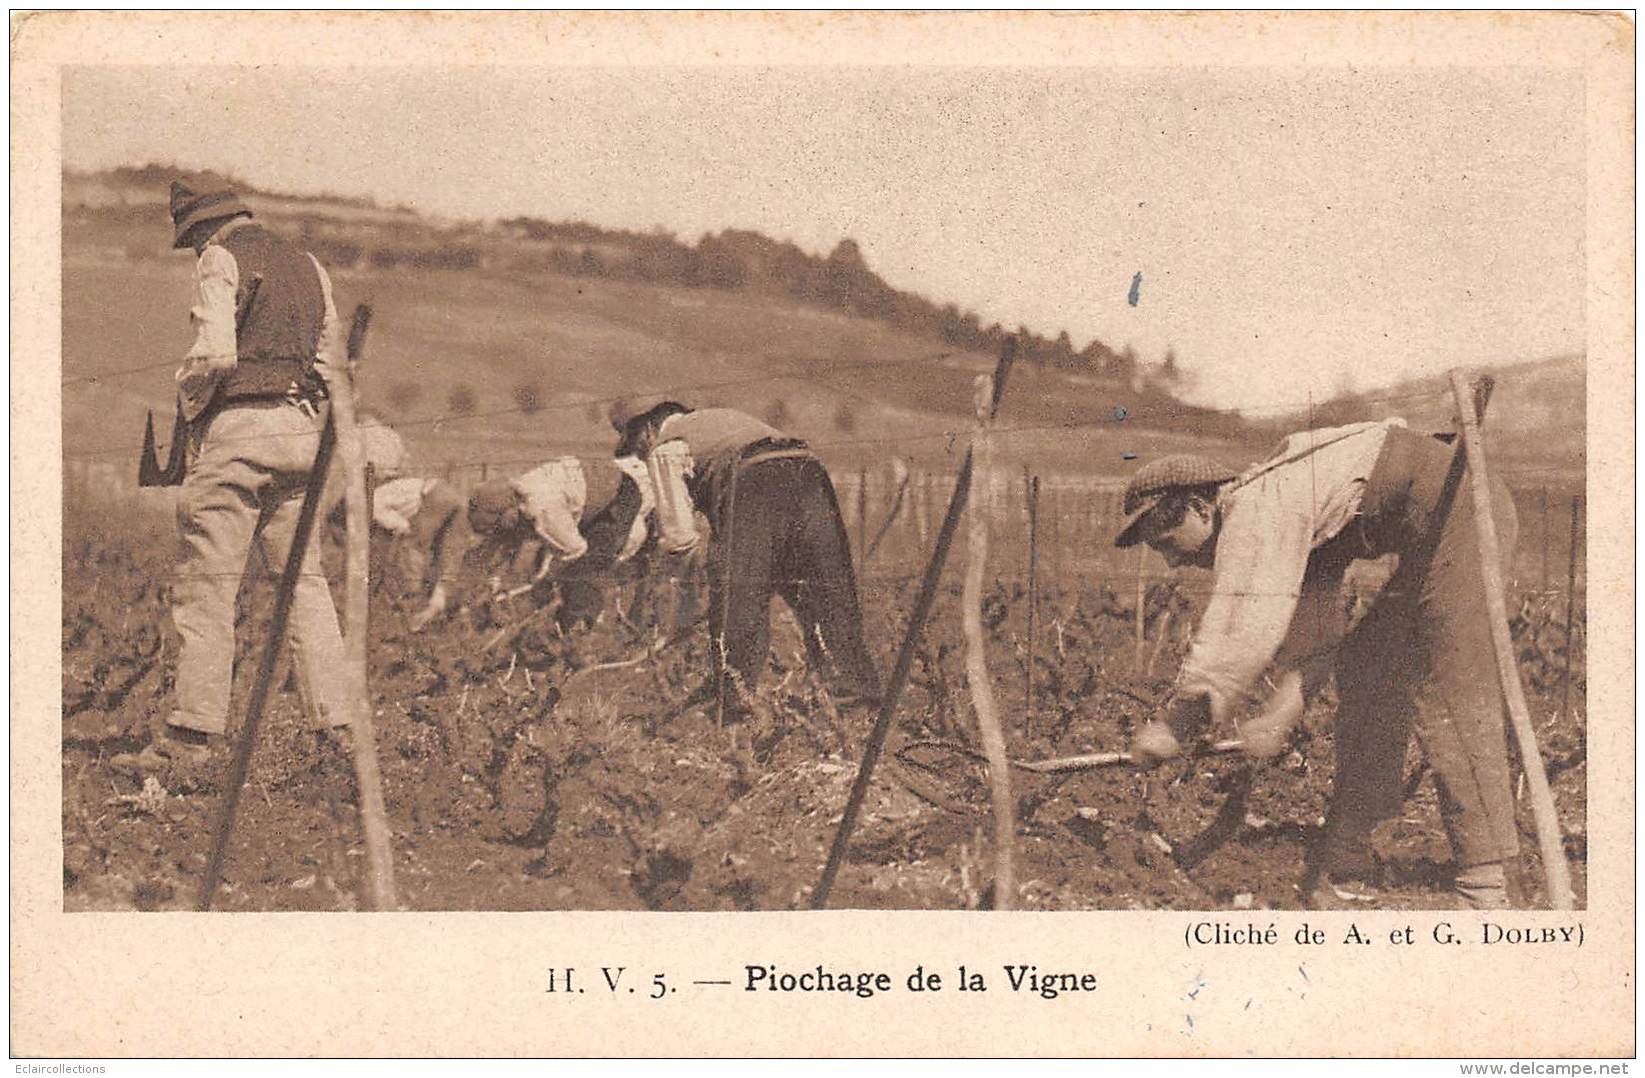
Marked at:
<point>776,530</point>
<point>1279,538</point>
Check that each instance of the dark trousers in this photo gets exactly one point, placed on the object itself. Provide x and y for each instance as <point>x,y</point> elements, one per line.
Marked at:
<point>1423,658</point>
<point>584,583</point>
<point>781,534</point>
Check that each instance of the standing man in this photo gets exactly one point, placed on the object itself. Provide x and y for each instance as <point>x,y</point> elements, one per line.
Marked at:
<point>267,342</point>
<point>776,528</point>
<point>1279,538</point>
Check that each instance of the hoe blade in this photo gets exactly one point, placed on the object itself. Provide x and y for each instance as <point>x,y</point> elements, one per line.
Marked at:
<point>150,473</point>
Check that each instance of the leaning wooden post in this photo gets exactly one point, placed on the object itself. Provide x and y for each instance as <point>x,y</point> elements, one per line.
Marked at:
<point>373,814</point>
<point>1142,598</point>
<point>862,520</point>
<point>1555,870</point>
<point>246,741</point>
<point>371,514</point>
<point>905,654</point>
<point>1033,596</point>
<point>976,652</point>
<point>1570,609</point>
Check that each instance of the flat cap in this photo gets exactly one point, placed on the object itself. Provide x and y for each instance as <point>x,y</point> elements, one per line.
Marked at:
<point>1156,479</point>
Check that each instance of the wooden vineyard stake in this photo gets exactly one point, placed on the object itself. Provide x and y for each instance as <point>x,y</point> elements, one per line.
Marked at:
<point>1142,596</point>
<point>1555,870</point>
<point>373,813</point>
<point>1570,609</point>
<point>923,602</point>
<point>1033,597</point>
<point>976,652</point>
<point>862,521</point>
<point>899,475</point>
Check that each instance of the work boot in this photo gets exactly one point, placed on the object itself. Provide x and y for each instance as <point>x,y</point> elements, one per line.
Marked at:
<point>176,747</point>
<point>1483,887</point>
<point>1331,892</point>
<point>1347,872</point>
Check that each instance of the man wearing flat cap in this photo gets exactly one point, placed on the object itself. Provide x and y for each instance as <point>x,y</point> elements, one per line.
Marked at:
<point>253,386</point>
<point>1279,538</point>
<point>776,529</point>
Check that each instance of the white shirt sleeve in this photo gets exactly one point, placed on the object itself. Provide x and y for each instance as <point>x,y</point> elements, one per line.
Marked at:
<point>669,464</point>
<point>552,497</point>
<point>1263,547</point>
<point>385,450</point>
<point>331,353</point>
<point>216,347</point>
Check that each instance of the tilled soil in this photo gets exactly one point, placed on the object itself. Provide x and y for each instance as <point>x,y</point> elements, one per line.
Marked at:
<point>513,785</point>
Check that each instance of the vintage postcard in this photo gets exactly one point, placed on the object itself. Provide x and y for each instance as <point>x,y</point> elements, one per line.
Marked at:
<point>1055,534</point>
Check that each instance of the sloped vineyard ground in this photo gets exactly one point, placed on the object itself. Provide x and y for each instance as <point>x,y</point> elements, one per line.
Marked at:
<point>512,785</point>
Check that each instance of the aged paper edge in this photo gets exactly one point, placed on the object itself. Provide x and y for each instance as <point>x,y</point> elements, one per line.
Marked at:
<point>451,984</point>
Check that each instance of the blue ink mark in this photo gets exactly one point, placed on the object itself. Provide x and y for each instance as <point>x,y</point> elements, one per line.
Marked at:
<point>1120,413</point>
<point>1136,286</point>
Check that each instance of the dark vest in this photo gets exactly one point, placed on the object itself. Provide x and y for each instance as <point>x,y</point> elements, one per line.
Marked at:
<point>279,324</point>
<point>1405,503</point>
<point>606,530</point>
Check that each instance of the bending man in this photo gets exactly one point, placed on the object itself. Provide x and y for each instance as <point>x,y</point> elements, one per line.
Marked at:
<point>423,517</point>
<point>1279,538</point>
<point>776,528</point>
<point>535,522</point>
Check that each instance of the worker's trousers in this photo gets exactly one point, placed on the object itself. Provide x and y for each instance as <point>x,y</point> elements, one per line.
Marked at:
<point>1423,658</point>
<point>782,535</point>
<point>245,483</point>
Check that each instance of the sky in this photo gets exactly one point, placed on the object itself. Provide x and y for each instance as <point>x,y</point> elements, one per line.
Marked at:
<point>1298,230</point>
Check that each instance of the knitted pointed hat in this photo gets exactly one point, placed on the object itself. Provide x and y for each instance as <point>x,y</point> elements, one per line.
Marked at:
<point>189,208</point>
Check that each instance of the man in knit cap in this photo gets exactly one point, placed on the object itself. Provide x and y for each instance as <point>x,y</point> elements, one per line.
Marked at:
<point>776,526</point>
<point>1279,538</point>
<point>267,343</point>
<point>536,524</point>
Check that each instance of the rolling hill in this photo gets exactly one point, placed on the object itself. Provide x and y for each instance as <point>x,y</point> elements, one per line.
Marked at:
<point>504,341</point>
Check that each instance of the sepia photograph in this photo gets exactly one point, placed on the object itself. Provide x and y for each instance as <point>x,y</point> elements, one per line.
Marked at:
<point>628,483</point>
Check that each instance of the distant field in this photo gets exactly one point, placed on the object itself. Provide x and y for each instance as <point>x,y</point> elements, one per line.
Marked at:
<point>533,361</point>
<point>505,366</point>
